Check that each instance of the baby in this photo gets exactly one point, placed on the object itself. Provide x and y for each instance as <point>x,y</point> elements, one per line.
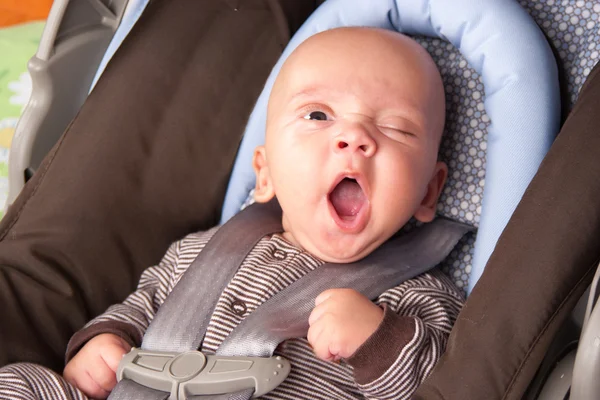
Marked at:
<point>354,124</point>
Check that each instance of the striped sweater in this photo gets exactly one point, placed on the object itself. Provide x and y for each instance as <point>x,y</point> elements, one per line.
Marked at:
<point>402,352</point>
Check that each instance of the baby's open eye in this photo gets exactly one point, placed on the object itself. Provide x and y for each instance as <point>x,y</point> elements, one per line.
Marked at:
<point>316,116</point>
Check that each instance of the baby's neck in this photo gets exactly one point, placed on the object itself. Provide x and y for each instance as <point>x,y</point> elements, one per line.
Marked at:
<point>290,238</point>
<point>287,235</point>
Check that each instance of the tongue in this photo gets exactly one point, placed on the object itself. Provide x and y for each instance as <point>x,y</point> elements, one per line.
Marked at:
<point>347,198</point>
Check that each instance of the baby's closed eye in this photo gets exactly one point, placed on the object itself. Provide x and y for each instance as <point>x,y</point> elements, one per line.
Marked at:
<point>394,131</point>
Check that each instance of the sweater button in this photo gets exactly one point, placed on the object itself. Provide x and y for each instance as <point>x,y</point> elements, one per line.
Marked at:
<point>239,307</point>
<point>280,255</point>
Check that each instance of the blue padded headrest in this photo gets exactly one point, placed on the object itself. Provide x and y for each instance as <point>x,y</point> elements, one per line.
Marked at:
<point>503,44</point>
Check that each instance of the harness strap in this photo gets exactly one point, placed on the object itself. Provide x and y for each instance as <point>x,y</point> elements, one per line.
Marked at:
<point>199,290</point>
<point>202,283</point>
<point>285,315</point>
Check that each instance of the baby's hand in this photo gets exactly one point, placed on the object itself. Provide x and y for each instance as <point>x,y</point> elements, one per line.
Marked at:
<point>342,320</point>
<point>94,368</point>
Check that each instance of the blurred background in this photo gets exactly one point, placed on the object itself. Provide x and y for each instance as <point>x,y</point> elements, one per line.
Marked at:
<point>21,26</point>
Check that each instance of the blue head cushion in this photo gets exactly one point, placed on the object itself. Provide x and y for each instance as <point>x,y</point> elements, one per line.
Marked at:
<point>498,137</point>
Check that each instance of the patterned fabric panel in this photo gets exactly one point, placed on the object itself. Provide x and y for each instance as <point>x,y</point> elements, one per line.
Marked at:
<point>573,30</point>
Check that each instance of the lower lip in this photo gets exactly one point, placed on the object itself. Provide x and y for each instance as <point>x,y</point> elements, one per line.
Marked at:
<point>353,225</point>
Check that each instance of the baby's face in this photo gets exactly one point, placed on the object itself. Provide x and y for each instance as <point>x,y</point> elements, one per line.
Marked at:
<point>352,138</point>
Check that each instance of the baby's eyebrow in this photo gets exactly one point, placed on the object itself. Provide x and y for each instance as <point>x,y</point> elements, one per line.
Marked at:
<point>306,92</point>
<point>315,91</point>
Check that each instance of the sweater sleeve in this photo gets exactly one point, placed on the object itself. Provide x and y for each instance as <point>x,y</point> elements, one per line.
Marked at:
<point>405,348</point>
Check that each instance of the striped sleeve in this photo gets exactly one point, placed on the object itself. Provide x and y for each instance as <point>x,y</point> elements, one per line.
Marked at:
<point>25,381</point>
<point>131,318</point>
<point>419,315</point>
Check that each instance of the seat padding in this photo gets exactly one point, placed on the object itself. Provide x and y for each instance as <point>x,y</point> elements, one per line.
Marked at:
<point>145,162</point>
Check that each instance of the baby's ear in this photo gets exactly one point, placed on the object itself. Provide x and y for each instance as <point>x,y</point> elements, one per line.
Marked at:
<point>263,192</point>
<point>426,211</point>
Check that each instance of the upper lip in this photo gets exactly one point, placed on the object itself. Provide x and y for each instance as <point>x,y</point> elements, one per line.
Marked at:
<point>357,176</point>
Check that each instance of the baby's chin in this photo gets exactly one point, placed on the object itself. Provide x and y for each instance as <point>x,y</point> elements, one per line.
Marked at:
<point>344,251</point>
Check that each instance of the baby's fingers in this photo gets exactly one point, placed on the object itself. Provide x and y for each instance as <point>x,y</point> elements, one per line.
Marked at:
<point>325,295</point>
<point>318,312</point>
<point>104,376</point>
<point>81,379</point>
<point>319,337</point>
<point>113,353</point>
<point>321,349</point>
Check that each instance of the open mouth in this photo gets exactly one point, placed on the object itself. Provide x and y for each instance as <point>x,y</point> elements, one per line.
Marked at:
<point>347,199</point>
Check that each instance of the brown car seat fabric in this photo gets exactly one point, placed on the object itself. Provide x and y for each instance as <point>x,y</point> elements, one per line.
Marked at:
<point>543,262</point>
<point>146,161</point>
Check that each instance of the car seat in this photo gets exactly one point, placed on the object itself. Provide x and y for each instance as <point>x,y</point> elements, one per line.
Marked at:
<point>545,121</point>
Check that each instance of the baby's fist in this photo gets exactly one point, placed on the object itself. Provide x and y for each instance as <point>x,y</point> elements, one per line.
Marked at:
<point>342,320</point>
<point>93,370</point>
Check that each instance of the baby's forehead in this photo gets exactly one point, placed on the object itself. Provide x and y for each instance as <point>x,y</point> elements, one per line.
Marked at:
<point>380,69</point>
<point>378,59</point>
<point>374,92</point>
<point>335,80</point>
<point>362,41</point>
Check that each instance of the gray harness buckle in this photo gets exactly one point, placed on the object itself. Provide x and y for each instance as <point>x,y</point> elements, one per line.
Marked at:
<point>193,373</point>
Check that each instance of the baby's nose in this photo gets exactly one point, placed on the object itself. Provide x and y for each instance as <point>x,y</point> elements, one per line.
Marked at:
<point>355,140</point>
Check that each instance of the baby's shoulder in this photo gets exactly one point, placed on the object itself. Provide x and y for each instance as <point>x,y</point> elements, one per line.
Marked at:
<point>195,242</point>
